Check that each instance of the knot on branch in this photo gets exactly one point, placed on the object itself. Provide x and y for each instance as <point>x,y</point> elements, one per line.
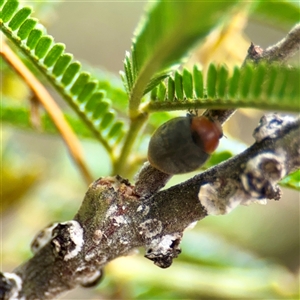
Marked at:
<point>42,238</point>
<point>218,197</point>
<point>271,126</point>
<point>255,53</point>
<point>10,286</point>
<point>262,174</point>
<point>256,173</point>
<point>89,278</point>
<point>163,249</point>
<point>68,239</point>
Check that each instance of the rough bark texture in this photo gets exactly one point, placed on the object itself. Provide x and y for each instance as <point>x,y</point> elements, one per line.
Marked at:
<point>116,217</point>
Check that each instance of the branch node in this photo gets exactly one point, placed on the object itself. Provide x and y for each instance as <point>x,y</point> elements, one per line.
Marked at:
<point>271,126</point>
<point>164,249</point>
<point>261,175</point>
<point>42,238</point>
<point>67,239</point>
<point>217,197</point>
<point>92,280</point>
<point>255,52</point>
<point>10,286</point>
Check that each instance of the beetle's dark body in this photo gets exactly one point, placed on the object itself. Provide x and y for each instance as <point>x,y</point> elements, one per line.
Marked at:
<point>174,149</point>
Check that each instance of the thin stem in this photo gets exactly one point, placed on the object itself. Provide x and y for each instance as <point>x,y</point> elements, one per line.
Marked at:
<point>216,104</point>
<point>42,95</point>
<point>121,163</point>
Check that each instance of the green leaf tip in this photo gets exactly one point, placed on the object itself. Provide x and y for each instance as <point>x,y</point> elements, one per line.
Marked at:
<point>171,89</point>
<point>107,119</point>
<point>8,10</point>
<point>80,82</point>
<point>94,101</point>
<point>211,81</point>
<point>43,46</point>
<point>54,54</point>
<point>70,73</point>
<point>26,28</point>
<point>161,92</point>
<point>19,18</point>
<point>234,82</point>
<point>187,81</point>
<point>128,71</point>
<point>116,130</point>
<point>222,81</point>
<point>198,82</point>
<point>257,84</point>
<point>164,37</point>
<point>62,64</point>
<point>246,80</point>
<point>87,91</point>
<point>261,86</point>
<point>178,85</point>
<point>101,109</point>
<point>34,38</point>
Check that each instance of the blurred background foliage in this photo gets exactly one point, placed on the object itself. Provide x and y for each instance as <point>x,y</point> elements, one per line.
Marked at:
<point>251,253</point>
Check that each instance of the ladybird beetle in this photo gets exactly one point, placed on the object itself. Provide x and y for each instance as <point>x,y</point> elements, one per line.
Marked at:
<point>183,144</point>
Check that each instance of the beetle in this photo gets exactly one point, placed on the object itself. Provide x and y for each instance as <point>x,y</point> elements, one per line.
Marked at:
<point>183,144</point>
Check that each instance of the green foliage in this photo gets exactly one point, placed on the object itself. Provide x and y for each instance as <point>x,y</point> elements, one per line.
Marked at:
<point>77,87</point>
<point>19,116</point>
<point>163,38</point>
<point>264,86</point>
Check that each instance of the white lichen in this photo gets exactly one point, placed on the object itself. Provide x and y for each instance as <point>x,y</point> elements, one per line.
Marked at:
<point>150,228</point>
<point>111,211</point>
<point>97,236</point>
<point>270,125</point>
<point>163,243</point>
<point>124,240</point>
<point>89,256</point>
<point>211,201</point>
<point>17,285</point>
<point>90,278</point>
<point>119,220</point>
<point>143,209</point>
<point>76,235</point>
<point>42,238</point>
<point>262,173</point>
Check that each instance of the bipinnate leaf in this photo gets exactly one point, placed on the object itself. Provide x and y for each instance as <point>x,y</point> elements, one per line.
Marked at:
<point>262,86</point>
<point>170,29</point>
<point>78,88</point>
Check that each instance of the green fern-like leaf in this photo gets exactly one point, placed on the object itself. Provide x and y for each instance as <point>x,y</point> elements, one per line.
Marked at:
<point>264,86</point>
<point>77,87</point>
<point>164,37</point>
<point>17,115</point>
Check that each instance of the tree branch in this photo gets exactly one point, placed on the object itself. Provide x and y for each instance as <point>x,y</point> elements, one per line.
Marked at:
<point>113,219</point>
<point>280,52</point>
